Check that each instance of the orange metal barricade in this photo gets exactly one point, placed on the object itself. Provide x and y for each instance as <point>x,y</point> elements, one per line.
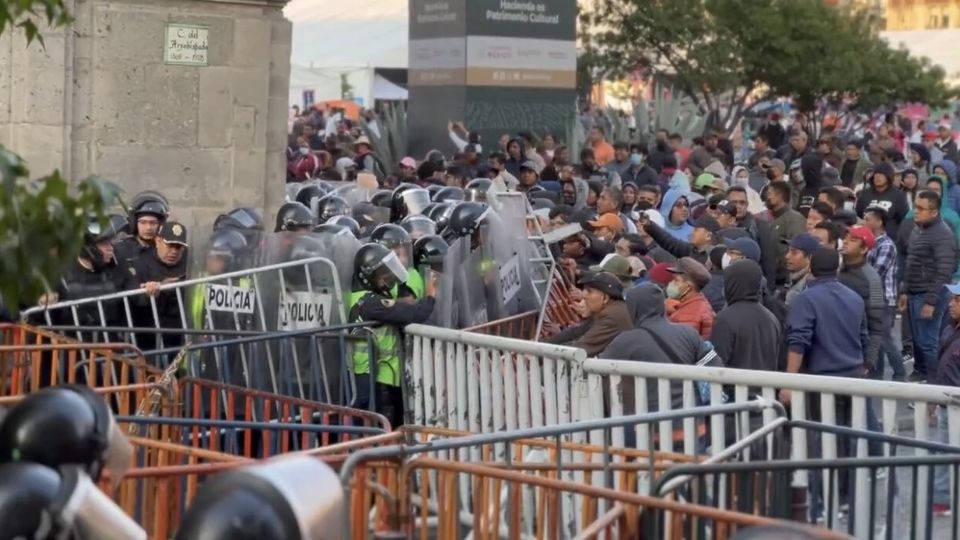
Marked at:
<point>520,326</point>
<point>254,411</point>
<point>442,498</point>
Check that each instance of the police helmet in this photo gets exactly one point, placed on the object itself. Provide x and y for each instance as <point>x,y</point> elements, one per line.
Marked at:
<point>466,217</point>
<point>433,189</point>
<point>440,214</point>
<point>65,425</point>
<point>293,216</point>
<point>390,235</point>
<point>347,222</point>
<point>418,226</point>
<point>290,191</point>
<point>306,246</point>
<point>95,233</point>
<point>382,198</point>
<point>430,251</point>
<point>243,218</point>
<point>330,206</point>
<point>150,207</point>
<point>378,269</point>
<point>449,193</point>
<point>144,197</point>
<point>477,189</point>
<point>309,193</point>
<point>227,243</point>
<point>119,223</point>
<point>27,493</point>
<point>406,200</point>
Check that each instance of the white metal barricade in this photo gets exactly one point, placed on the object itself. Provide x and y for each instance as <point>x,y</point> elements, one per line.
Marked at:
<point>483,384</point>
<point>866,396</point>
<point>291,296</point>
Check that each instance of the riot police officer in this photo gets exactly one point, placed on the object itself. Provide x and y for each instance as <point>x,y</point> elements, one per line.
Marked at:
<point>294,217</point>
<point>94,273</point>
<point>377,272</point>
<point>406,200</point>
<point>148,213</point>
<point>466,221</point>
<point>165,264</point>
<point>398,240</point>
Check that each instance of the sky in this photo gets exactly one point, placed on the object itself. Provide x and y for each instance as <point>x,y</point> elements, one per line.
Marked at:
<point>349,33</point>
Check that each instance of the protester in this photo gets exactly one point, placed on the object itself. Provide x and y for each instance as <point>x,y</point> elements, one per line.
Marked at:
<point>702,157</point>
<point>881,193</point>
<point>947,374</point>
<point>675,209</point>
<point>883,259</point>
<point>685,301</point>
<point>607,316</point>
<point>863,279</point>
<point>745,334</point>
<point>702,238</point>
<point>931,260</point>
<point>798,258</point>
<point>787,223</point>
<point>713,292</point>
<point>602,150</point>
<point>854,167</point>
<point>760,231</point>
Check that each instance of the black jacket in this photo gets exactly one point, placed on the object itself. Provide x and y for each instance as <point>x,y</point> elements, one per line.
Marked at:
<point>745,334</point>
<point>78,282</point>
<point>654,339</point>
<point>931,260</point>
<point>646,176</point>
<point>892,200</point>
<point>766,237</point>
<point>865,281</point>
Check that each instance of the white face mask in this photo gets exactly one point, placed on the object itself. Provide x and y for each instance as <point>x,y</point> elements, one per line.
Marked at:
<point>725,261</point>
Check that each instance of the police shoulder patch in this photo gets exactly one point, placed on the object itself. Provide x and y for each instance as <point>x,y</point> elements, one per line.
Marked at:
<point>388,302</point>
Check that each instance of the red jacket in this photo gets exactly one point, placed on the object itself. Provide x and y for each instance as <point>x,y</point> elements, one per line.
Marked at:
<point>694,311</point>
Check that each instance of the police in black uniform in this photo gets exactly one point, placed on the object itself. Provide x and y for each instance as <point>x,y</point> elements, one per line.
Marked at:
<point>146,218</point>
<point>165,264</point>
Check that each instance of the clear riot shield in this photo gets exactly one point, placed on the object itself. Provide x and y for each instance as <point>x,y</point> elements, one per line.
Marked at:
<point>446,313</point>
<point>505,238</point>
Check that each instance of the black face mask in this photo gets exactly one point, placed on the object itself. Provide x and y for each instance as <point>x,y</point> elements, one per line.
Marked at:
<point>643,205</point>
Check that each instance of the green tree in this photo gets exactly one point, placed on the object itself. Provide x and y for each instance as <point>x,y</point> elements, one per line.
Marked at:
<point>729,55</point>
<point>41,220</point>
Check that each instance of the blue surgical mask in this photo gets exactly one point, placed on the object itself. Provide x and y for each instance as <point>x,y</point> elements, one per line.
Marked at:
<point>304,150</point>
<point>636,159</point>
<point>673,291</point>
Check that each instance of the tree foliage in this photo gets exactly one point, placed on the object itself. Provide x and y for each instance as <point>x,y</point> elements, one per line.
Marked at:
<point>42,220</point>
<point>728,55</point>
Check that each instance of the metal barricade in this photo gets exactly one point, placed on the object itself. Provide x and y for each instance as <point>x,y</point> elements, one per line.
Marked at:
<point>869,497</point>
<point>472,382</point>
<point>252,423</point>
<point>373,473</point>
<point>520,326</point>
<point>860,404</point>
<point>294,295</point>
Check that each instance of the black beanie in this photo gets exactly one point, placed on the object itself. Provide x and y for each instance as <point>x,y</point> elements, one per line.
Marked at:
<point>824,262</point>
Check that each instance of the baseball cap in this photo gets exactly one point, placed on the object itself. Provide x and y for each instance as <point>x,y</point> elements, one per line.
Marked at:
<point>824,262</point>
<point>617,265</point>
<point>727,208</point>
<point>409,162</point>
<point>654,216</point>
<point>691,268</point>
<point>954,289</point>
<point>660,274</point>
<point>746,246</point>
<point>707,180</point>
<point>174,233</point>
<point>608,284</point>
<point>610,221</point>
<point>638,266</point>
<point>708,223</point>
<point>776,162</point>
<point>806,243</point>
<point>863,234</point>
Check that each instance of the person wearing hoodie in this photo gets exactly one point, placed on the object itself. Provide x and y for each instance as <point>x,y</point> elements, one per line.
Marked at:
<point>948,170</point>
<point>607,315</point>
<point>740,176</point>
<point>675,209</point>
<point>910,184</point>
<point>746,334</point>
<point>702,239</point>
<point>880,193</point>
<point>686,304</point>
<point>655,339</point>
<point>807,179</point>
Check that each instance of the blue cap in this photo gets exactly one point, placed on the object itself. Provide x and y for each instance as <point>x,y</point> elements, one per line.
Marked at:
<point>954,289</point>
<point>806,243</point>
<point>746,246</point>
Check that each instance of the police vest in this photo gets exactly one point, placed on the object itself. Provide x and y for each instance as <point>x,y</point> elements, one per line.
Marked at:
<point>387,338</point>
<point>198,302</point>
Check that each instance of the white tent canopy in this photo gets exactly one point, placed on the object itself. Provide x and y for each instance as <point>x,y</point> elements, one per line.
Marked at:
<point>388,91</point>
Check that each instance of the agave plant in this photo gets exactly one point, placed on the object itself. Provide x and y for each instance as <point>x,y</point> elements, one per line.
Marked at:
<point>665,111</point>
<point>391,145</point>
